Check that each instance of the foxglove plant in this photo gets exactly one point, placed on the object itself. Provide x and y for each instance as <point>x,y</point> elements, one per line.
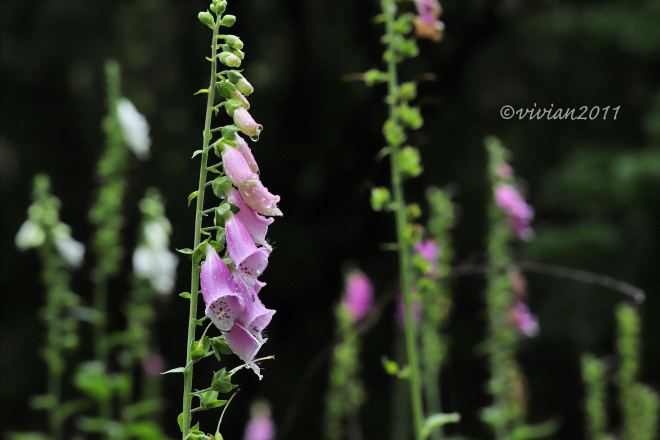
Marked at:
<point>405,163</point>
<point>125,129</point>
<point>345,393</point>
<point>44,230</point>
<point>260,426</point>
<point>229,285</point>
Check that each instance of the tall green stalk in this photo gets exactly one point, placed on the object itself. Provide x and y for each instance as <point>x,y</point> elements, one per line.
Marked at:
<point>194,282</point>
<point>389,10</point>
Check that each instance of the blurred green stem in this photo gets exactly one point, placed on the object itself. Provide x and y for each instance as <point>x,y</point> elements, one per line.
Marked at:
<point>194,282</point>
<point>389,9</point>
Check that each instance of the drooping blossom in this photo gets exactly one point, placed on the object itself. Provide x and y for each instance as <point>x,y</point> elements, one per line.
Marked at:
<point>134,127</point>
<point>153,365</point>
<point>246,123</point>
<point>358,295</point>
<point>523,319</point>
<point>223,302</point>
<point>30,235</point>
<point>71,251</point>
<point>245,150</point>
<point>430,251</point>
<point>254,193</point>
<point>250,261</point>
<point>152,259</point>
<point>240,97</point>
<point>256,225</point>
<point>427,24</point>
<point>260,426</point>
<point>245,337</point>
<point>400,314</point>
<point>520,213</point>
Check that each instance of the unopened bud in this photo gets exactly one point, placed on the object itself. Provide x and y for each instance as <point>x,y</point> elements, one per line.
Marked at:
<point>234,42</point>
<point>380,197</point>
<point>229,59</point>
<point>228,20</point>
<point>206,18</point>
<point>239,97</point>
<point>245,123</point>
<point>225,89</point>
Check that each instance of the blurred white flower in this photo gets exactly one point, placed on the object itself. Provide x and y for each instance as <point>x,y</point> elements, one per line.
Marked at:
<point>72,251</point>
<point>153,260</point>
<point>29,235</point>
<point>135,128</point>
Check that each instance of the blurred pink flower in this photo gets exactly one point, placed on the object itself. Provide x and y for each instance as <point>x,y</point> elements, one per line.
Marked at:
<point>520,213</point>
<point>153,365</point>
<point>358,295</point>
<point>260,426</point>
<point>524,320</point>
<point>401,311</point>
<point>430,251</point>
<point>426,23</point>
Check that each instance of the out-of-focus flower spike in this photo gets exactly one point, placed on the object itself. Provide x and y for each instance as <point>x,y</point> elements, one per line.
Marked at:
<point>260,426</point>
<point>358,295</point>
<point>223,301</point>
<point>70,250</point>
<point>30,235</point>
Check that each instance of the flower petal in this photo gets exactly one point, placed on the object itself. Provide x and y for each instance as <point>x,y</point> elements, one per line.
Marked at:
<point>256,225</point>
<point>249,260</point>
<point>223,301</point>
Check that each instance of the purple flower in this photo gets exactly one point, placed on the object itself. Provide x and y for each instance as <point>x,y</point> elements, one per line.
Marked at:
<point>427,24</point>
<point>249,260</point>
<point>253,191</point>
<point>223,302</point>
<point>524,320</point>
<point>430,251</point>
<point>401,311</point>
<point>245,123</point>
<point>520,213</point>
<point>256,225</point>
<point>244,149</point>
<point>260,426</point>
<point>505,171</point>
<point>245,338</point>
<point>358,296</point>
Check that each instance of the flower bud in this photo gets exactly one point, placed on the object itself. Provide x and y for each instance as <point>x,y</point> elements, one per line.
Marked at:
<point>206,18</point>
<point>234,42</point>
<point>218,6</point>
<point>228,20</point>
<point>229,59</point>
<point>380,197</point>
<point>240,97</point>
<point>225,89</point>
<point>245,123</point>
<point>244,87</point>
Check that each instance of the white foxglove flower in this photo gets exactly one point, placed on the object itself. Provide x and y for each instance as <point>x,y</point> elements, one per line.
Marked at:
<point>29,235</point>
<point>70,250</point>
<point>153,260</point>
<point>135,128</point>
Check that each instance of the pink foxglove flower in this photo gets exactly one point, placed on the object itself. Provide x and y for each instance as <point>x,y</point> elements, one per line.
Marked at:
<point>401,311</point>
<point>223,302</point>
<point>524,320</point>
<point>245,123</point>
<point>240,97</point>
<point>253,191</point>
<point>153,365</point>
<point>520,213</point>
<point>244,149</point>
<point>249,260</point>
<point>256,225</point>
<point>358,296</point>
<point>245,338</point>
<point>427,24</point>
<point>430,251</point>
<point>260,426</point>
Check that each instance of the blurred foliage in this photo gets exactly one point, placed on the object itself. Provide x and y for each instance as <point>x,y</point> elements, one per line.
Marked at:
<point>595,184</point>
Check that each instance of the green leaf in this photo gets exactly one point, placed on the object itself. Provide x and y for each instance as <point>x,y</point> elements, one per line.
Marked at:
<point>180,421</point>
<point>201,91</point>
<point>186,251</point>
<point>192,196</point>
<point>213,170</point>
<point>439,419</point>
<point>196,153</point>
<point>390,366</point>
<point>216,404</point>
<point>175,370</point>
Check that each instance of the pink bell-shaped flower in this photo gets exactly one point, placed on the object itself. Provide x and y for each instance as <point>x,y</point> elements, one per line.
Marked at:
<point>237,168</point>
<point>256,225</point>
<point>430,251</point>
<point>245,123</point>
<point>244,149</point>
<point>223,302</point>
<point>249,260</point>
<point>245,338</point>
<point>260,199</point>
<point>358,295</point>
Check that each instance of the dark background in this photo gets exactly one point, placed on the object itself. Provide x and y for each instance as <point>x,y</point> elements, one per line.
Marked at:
<point>594,184</point>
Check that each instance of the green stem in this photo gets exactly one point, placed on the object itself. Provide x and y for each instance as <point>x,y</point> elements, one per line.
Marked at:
<point>55,390</point>
<point>100,302</point>
<point>194,283</point>
<point>401,222</point>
